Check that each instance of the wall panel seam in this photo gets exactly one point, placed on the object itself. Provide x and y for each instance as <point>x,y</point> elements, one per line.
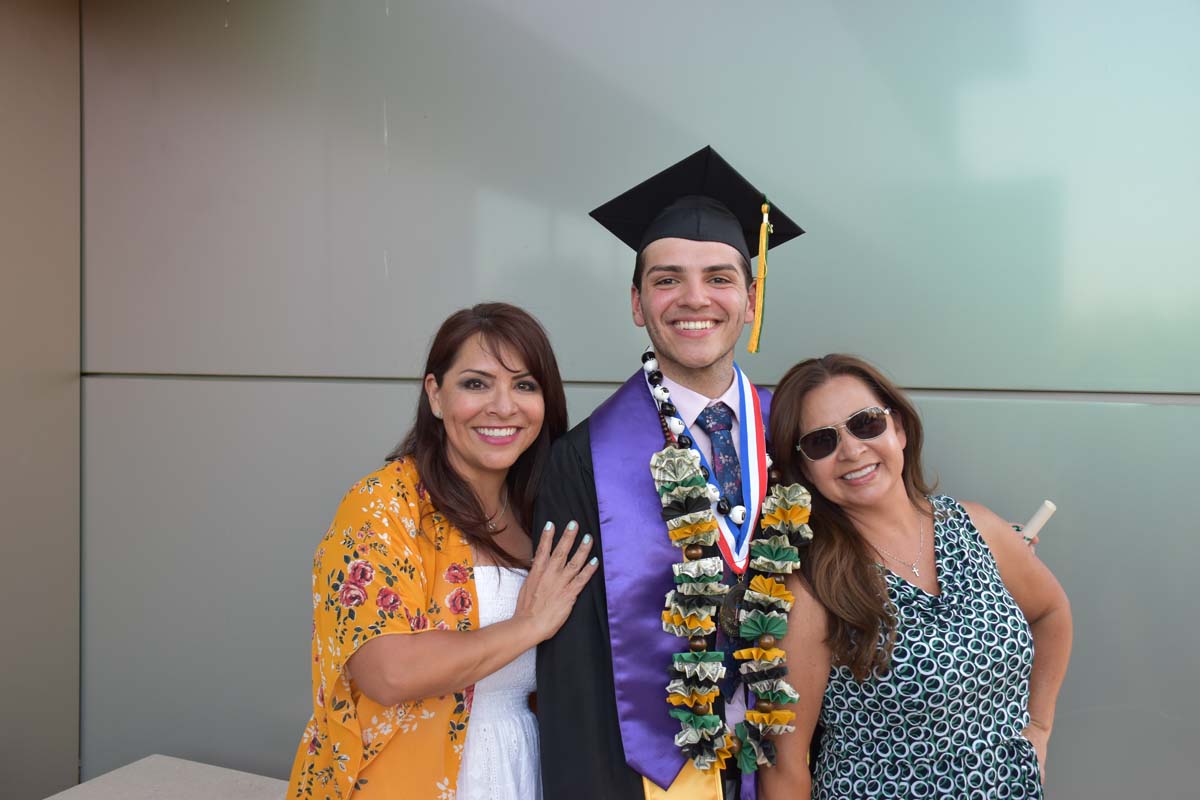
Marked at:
<point>1065,395</point>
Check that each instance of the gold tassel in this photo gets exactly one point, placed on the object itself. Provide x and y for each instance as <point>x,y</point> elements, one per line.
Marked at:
<point>760,291</point>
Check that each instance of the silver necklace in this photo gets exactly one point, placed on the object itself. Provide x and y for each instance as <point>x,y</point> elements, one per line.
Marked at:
<point>491,521</point>
<point>883,551</point>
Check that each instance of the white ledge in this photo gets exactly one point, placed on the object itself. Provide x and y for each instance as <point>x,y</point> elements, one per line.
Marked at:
<point>167,778</point>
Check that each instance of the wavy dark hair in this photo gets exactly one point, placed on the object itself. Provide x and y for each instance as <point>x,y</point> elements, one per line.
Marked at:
<point>500,326</point>
<point>838,565</point>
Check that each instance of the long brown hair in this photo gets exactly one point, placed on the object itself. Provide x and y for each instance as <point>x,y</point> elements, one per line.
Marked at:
<point>838,566</point>
<point>500,325</point>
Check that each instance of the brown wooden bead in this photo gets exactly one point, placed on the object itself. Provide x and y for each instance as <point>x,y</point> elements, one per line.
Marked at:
<point>702,709</point>
<point>765,706</point>
<point>698,644</point>
<point>766,641</point>
<point>735,745</point>
<point>693,552</point>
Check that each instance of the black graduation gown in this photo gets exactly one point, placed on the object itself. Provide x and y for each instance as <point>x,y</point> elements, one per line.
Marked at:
<point>582,757</point>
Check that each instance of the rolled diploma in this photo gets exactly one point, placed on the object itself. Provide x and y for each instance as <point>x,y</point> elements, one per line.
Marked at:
<point>1031,529</point>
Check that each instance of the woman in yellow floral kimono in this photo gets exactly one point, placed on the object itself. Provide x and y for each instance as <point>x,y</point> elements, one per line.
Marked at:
<point>391,713</point>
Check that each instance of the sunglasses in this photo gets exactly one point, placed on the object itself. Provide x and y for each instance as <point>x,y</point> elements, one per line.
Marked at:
<point>870,423</point>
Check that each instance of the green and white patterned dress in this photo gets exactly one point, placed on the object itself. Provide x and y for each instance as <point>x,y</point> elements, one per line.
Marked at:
<point>945,721</point>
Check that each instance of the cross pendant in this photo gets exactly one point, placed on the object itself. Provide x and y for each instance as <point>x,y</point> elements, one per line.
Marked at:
<point>916,571</point>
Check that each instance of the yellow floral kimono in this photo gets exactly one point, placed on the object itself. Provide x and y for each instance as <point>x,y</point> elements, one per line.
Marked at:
<point>390,563</point>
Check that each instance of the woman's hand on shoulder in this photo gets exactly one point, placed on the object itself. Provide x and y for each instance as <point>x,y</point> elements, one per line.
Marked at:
<point>556,578</point>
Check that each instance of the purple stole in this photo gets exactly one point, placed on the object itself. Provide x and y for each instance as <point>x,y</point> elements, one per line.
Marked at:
<point>637,557</point>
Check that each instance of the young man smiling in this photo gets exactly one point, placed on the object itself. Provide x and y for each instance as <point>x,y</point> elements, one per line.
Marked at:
<point>693,299</point>
<point>606,728</point>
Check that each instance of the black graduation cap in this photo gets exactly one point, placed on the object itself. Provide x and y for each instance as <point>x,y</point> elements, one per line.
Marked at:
<point>701,198</point>
<point>704,199</point>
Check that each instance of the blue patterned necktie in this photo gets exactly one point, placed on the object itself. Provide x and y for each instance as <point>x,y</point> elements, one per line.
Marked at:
<point>717,422</point>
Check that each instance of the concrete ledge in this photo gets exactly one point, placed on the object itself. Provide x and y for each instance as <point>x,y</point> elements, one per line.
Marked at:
<point>166,778</point>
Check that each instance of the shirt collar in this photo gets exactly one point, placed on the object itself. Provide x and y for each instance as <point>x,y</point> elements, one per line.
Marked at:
<point>690,403</point>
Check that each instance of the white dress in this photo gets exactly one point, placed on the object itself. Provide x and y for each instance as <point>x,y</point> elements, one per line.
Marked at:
<point>500,756</point>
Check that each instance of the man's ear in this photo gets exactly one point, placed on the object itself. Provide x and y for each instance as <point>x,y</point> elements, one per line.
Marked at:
<point>752,301</point>
<point>635,301</point>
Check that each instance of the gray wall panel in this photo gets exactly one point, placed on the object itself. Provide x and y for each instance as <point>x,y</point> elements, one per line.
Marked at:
<point>39,397</point>
<point>270,185</point>
<point>204,502</point>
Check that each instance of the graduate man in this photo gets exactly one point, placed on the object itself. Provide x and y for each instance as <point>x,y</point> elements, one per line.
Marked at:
<point>606,727</point>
